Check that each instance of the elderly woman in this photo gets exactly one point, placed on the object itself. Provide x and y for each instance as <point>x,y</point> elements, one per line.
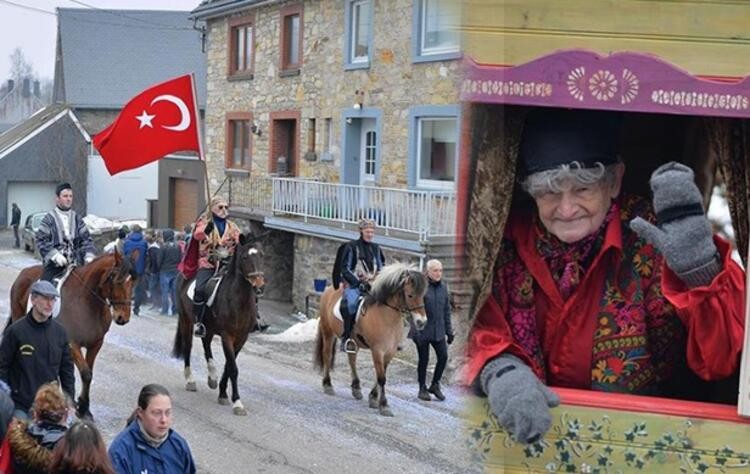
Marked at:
<point>217,237</point>
<point>588,293</point>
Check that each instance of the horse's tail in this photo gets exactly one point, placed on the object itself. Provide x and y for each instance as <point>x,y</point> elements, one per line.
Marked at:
<point>318,355</point>
<point>179,345</point>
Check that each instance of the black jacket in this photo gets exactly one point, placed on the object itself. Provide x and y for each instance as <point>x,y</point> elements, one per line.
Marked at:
<point>169,254</point>
<point>15,216</point>
<point>368,253</point>
<point>438,309</point>
<point>32,354</point>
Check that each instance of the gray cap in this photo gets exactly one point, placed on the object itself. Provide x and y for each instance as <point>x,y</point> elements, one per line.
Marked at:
<point>44,288</point>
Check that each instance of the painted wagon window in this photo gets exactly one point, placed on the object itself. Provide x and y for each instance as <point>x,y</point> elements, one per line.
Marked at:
<point>360,31</point>
<point>438,26</point>
<point>436,153</point>
<point>242,39</point>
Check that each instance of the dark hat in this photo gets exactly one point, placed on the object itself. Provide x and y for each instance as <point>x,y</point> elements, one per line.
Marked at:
<point>62,187</point>
<point>44,288</point>
<point>552,137</point>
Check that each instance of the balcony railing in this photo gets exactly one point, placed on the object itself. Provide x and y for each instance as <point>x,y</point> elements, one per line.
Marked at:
<point>424,213</point>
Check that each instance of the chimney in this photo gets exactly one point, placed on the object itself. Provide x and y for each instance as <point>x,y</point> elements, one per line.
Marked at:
<point>36,89</point>
<point>26,87</point>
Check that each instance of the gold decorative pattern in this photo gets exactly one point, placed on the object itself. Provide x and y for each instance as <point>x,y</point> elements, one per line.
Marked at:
<point>576,82</point>
<point>507,88</point>
<point>603,85</point>
<point>703,100</point>
<point>630,86</point>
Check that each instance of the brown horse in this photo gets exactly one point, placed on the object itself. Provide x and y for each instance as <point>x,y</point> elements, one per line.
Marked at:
<point>397,292</point>
<point>233,314</point>
<point>91,297</point>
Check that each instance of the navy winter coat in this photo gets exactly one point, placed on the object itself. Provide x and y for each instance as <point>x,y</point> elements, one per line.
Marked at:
<point>438,308</point>
<point>131,454</point>
<point>135,241</point>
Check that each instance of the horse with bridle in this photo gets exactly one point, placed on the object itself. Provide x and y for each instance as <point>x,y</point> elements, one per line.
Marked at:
<point>397,295</point>
<point>232,316</point>
<point>92,296</point>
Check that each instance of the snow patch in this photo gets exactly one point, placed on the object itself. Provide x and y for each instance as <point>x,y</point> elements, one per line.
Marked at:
<point>300,332</point>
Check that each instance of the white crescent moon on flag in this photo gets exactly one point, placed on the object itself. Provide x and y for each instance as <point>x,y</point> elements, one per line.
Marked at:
<point>185,113</point>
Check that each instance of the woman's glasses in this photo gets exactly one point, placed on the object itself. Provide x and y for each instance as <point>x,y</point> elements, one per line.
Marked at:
<point>222,206</point>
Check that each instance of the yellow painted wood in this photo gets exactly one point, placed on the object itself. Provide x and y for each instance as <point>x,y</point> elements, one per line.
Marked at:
<point>705,37</point>
<point>595,440</point>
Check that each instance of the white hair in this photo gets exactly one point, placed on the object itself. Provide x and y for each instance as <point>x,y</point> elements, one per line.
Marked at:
<point>557,179</point>
<point>433,263</point>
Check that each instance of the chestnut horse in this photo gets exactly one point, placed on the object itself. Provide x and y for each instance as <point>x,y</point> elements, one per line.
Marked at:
<point>397,293</point>
<point>91,297</point>
<point>232,316</point>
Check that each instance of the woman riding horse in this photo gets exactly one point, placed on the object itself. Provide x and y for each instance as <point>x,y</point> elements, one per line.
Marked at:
<point>588,293</point>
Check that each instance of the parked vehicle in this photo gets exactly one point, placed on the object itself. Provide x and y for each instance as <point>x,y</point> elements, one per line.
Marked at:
<point>29,230</point>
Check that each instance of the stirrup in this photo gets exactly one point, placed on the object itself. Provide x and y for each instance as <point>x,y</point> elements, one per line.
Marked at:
<point>199,330</point>
<point>350,346</point>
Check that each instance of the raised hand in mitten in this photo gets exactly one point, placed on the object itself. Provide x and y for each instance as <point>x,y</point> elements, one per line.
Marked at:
<point>518,399</point>
<point>209,228</point>
<point>683,234</point>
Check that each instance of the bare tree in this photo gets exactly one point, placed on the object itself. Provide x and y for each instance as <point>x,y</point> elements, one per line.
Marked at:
<point>20,67</point>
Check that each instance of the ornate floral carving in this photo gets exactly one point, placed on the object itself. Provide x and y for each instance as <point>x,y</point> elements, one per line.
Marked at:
<point>603,85</point>
<point>577,82</point>
<point>630,86</point>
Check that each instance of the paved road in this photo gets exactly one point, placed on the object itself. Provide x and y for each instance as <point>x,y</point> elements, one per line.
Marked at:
<point>292,426</point>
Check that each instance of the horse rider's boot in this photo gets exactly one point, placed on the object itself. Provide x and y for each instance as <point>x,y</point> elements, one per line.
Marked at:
<point>424,394</point>
<point>347,343</point>
<point>435,390</point>
<point>199,330</point>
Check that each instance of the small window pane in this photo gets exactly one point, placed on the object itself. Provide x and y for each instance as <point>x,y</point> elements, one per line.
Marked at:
<point>243,51</point>
<point>439,20</point>
<point>291,24</point>
<point>360,31</point>
<point>437,149</point>
<point>370,153</point>
<point>240,143</point>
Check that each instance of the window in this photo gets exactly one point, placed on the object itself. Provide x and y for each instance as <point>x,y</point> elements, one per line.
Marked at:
<point>370,155</point>
<point>241,47</point>
<point>358,35</point>
<point>433,135</point>
<point>311,135</point>
<point>238,141</point>
<point>291,39</point>
<point>436,30</point>
<point>328,135</point>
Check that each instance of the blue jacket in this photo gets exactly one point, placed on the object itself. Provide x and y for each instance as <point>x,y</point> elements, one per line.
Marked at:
<point>131,454</point>
<point>135,241</point>
<point>438,308</point>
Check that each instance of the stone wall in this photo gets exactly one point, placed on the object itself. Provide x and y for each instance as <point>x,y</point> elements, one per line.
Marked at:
<point>323,89</point>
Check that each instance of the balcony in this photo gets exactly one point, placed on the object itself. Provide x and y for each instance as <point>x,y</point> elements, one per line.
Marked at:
<point>399,213</point>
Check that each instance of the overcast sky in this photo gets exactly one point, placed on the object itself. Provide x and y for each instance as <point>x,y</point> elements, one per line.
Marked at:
<point>34,31</point>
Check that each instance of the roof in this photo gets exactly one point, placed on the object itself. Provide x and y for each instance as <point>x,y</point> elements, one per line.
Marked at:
<point>40,120</point>
<point>109,56</point>
<point>209,9</point>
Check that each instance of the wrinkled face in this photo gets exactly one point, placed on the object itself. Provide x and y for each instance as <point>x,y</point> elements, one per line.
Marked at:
<point>250,264</point>
<point>415,304</point>
<point>221,209</point>
<point>43,305</point>
<point>156,418</point>
<point>65,199</point>
<point>578,211</point>
<point>435,272</point>
<point>368,233</point>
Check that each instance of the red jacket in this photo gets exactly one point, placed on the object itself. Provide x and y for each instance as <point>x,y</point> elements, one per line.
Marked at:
<point>587,341</point>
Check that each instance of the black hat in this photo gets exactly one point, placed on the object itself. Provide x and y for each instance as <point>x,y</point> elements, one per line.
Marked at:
<point>62,187</point>
<point>553,137</point>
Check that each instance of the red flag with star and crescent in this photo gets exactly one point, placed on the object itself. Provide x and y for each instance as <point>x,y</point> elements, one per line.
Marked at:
<point>158,121</point>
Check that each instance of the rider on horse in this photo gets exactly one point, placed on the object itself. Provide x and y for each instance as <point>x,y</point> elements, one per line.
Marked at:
<point>367,253</point>
<point>62,237</point>
<point>217,238</point>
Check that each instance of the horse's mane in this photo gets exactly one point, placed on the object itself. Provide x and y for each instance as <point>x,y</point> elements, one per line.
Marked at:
<point>392,278</point>
<point>123,269</point>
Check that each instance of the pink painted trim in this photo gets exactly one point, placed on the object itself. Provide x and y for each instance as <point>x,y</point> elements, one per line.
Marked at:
<point>654,405</point>
<point>624,81</point>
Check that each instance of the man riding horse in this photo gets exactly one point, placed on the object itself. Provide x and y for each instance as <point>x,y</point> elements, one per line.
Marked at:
<point>62,237</point>
<point>367,253</point>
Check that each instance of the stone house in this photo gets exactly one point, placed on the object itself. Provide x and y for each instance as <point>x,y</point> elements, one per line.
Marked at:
<point>321,112</point>
<point>105,57</point>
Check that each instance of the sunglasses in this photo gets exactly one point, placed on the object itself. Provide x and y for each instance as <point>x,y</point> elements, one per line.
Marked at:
<point>223,206</point>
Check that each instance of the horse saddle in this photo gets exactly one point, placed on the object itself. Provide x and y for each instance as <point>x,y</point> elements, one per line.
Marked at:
<point>337,309</point>
<point>212,286</point>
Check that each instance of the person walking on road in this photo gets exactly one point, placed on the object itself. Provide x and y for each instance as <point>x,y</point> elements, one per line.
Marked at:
<point>15,221</point>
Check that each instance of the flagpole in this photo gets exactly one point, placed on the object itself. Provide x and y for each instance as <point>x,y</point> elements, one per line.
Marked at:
<point>201,155</point>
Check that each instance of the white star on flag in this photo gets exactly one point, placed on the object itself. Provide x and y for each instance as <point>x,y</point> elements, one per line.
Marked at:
<point>145,120</point>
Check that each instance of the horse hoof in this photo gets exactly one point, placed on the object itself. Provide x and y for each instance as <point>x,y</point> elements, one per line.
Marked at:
<point>357,393</point>
<point>239,411</point>
<point>385,411</point>
<point>328,390</point>
<point>223,401</point>
<point>191,387</point>
<point>373,403</point>
<point>212,383</point>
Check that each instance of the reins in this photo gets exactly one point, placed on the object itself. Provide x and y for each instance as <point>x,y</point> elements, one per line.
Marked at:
<point>105,301</point>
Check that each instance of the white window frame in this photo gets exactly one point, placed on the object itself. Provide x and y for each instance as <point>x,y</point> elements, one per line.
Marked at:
<point>433,183</point>
<point>359,6</point>
<point>425,50</point>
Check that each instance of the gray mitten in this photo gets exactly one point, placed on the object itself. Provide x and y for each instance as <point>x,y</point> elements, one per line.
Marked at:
<point>684,234</point>
<point>518,399</point>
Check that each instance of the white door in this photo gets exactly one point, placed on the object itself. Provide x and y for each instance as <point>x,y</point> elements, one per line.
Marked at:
<point>368,152</point>
<point>31,197</point>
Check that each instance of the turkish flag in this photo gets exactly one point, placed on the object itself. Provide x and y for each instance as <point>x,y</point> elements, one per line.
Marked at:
<point>160,120</point>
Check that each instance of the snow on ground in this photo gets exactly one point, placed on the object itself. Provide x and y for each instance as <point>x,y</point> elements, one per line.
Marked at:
<point>300,332</point>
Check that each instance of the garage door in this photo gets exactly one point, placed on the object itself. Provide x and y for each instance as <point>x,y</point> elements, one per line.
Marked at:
<point>184,202</point>
<point>31,197</point>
